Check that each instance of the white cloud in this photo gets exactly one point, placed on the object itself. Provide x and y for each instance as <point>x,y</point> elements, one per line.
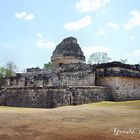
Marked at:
<point>24,15</point>
<point>43,43</point>
<point>5,45</point>
<point>101,33</point>
<point>40,35</point>
<point>76,25</point>
<point>134,53</point>
<point>132,37</point>
<point>113,25</point>
<point>134,20</point>
<point>85,6</point>
<point>92,49</point>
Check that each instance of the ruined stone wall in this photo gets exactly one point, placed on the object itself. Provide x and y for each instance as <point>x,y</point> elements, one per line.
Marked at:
<point>82,95</point>
<point>123,88</point>
<point>83,78</point>
<point>77,75</point>
<point>2,82</point>
<point>66,60</point>
<point>72,84</point>
<point>117,71</point>
<point>52,96</point>
<point>34,97</point>
<point>71,75</point>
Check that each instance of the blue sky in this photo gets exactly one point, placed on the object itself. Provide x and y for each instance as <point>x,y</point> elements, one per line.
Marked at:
<point>30,29</point>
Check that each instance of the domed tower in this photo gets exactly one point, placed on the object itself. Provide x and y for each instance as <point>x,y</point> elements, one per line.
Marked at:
<point>67,52</point>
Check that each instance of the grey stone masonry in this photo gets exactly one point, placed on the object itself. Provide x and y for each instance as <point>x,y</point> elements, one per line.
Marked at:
<point>51,97</point>
<point>70,81</point>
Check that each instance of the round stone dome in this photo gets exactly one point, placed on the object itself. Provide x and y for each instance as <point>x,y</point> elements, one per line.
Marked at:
<point>67,52</point>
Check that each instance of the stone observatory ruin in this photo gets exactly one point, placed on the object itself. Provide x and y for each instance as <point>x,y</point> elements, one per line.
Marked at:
<point>67,52</point>
<point>71,81</point>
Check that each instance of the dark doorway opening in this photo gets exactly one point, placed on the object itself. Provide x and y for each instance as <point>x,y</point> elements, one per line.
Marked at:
<point>74,98</point>
<point>60,64</point>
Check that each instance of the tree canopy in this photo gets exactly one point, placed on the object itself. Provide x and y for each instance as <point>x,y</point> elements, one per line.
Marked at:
<point>8,70</point>
<point>48,66</point>
<point>99,57</point>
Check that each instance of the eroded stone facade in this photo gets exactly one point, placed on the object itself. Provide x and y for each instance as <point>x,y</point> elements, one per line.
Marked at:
<point>71,81</point>
<point>50,97</point>
<point>67,52</point>
<point>123,88</point>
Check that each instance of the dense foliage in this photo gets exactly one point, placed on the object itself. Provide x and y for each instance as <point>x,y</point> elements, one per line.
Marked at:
<point>8,70</point>
<point>99,57</point>
<point>48,66</point>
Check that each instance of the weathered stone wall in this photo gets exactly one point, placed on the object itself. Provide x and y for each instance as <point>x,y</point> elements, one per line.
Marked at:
<point>83,78</point>
<point>67,52</point>
<point>2,82</point>
<point>123,88</point>
<point>66,60</point>
<point>77,75</point>
<point>34,97</point>
<point>117,71</point>
<point>116,64</point>
<point>71,75</point>
<point>52,96</point>
<point>71,84</point>
<point>82,95</point>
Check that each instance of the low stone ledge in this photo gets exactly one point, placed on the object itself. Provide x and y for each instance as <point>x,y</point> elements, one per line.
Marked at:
<point>50,97</point>
<point>56,87</point>
<point>117,64</point>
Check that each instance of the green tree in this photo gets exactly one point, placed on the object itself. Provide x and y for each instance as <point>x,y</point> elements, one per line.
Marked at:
<point>2,72</point>
<point>99,57</point>
<point>48,66</point>
<point>10,69</point>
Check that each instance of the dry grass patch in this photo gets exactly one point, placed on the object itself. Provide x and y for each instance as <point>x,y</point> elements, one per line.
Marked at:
<point>84,122</point>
